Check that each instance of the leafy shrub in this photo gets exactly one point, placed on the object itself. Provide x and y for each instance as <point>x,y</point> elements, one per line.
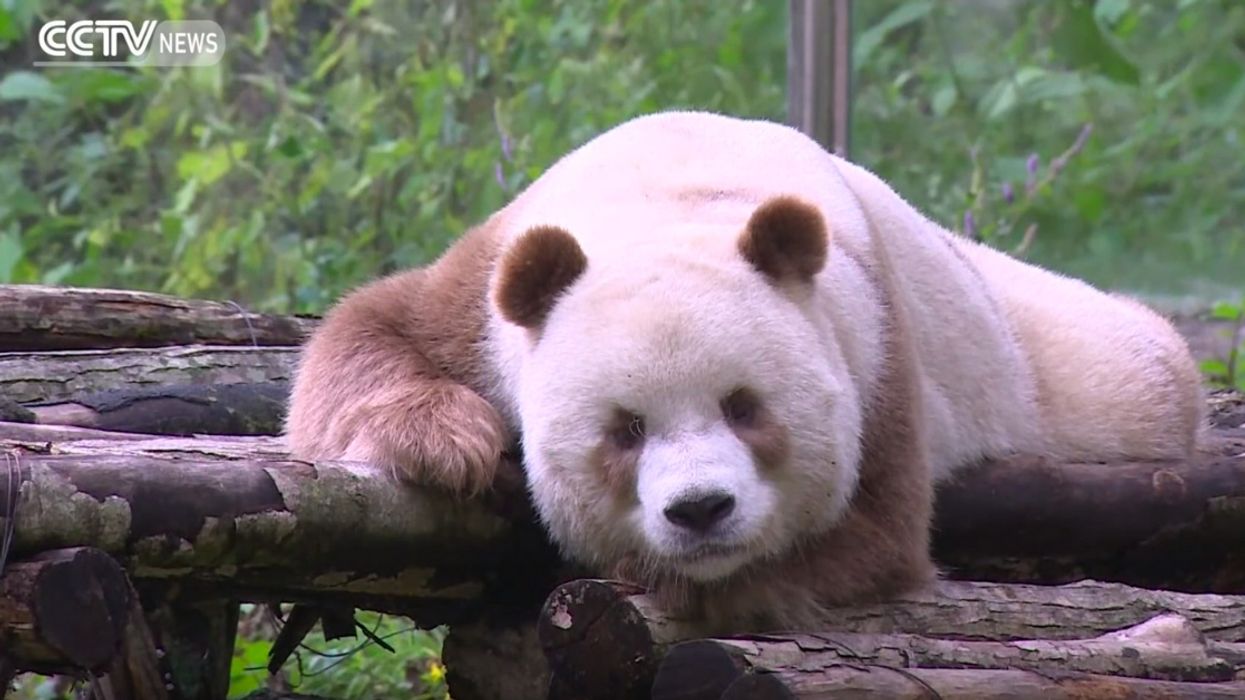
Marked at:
<point>339,141</point>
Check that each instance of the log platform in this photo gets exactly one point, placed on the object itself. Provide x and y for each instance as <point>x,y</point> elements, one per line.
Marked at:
<point>146,493</point>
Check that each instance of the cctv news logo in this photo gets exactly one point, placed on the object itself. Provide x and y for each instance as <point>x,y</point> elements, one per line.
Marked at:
<point>116,42</point>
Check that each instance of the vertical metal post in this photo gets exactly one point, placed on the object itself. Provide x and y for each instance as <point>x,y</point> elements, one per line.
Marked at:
<point>819,71</point>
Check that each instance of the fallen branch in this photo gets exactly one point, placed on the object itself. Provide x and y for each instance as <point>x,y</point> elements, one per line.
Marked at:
<point>34,317</point>
<point>52,377</point>
<point>602,634</point>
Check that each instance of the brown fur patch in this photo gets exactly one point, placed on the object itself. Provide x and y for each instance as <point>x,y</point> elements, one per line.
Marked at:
<point>535,271</point>
<point>757,428</point>
<point>396,372</point>
<point>786,239</point>
<point>617,457</point>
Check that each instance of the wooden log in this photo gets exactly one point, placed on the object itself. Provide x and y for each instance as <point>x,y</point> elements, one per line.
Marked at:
<point>63,609</point>
<point>225,512</point>
<point>34,317</point>
<point>13,412</point>
<point>180,409</point>
<point>603,618</point>
<point>1158,525</point>
<point>887,683</point>
<point>1164,648</point>
<point>51,377</point>
<point>1170,525</point>
<point>237,518</point>
<point>601,634</point>
<point>32,434</point>
<point>136,672</point>
<point>497,656</point>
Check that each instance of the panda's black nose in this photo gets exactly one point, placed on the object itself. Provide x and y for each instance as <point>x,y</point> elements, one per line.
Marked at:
<point>702,511</point>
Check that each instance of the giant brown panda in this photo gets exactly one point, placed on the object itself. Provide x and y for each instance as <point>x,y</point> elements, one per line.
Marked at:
<point>737,365</point>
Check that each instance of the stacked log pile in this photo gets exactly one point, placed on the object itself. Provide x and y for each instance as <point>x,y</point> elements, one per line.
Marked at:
<point>147,492</point>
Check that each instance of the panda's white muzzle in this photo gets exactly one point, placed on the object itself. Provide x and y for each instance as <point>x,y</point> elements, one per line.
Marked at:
<point>703,501</point>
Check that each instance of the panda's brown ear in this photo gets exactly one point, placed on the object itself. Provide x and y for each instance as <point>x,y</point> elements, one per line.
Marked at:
<point>537,268</point>
<point>786,239</point>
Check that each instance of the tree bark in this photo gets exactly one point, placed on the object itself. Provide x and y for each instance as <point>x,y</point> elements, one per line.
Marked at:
<point>62,609</point>
<point>237,518</point>
<point>602,634</point>
<point>55,377</point>
<point>888,683</point>
<point>1164,648</point>
<point>1170,525</point>
<point>181,409</point>
<point>34,317</point>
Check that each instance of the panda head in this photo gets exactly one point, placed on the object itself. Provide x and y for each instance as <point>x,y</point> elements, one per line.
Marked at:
<point>680,410</point>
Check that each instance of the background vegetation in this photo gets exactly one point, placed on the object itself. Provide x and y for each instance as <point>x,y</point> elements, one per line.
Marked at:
<point>340,140</point>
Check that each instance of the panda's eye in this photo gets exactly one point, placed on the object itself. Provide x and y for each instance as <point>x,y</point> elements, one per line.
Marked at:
<point>627,431</point>
<point>740,407</point>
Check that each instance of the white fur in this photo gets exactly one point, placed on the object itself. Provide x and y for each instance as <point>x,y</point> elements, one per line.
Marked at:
<point>669,318</point>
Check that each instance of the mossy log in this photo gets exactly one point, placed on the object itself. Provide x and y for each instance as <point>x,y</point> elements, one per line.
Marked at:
<point>236,518</point>
<point>34,317</point>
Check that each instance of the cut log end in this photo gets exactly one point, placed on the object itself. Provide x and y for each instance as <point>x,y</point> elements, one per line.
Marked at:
<point>595,638</point>
<point>698,670</point>
<point>64,609</point>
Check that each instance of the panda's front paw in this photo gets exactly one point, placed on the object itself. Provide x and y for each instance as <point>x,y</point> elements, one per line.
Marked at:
<point>439,434</point>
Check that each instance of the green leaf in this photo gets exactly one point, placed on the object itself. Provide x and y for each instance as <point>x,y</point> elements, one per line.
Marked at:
<point>246,669</point>
<point>100,85</point>
<point>174,9</point>
<point>1109,11</point>
<point>209,165</point>
<point>8,27</point>
<point>10,255</point>
<point>868,41</point>
<point>26,85</point>
<point>1091,202</point>
<point>1079,39</point>
<point>1227,311</point>
<point>1214,368</point>
<point>16,16</point>
<point>943,100</point>
<point>999,100</point>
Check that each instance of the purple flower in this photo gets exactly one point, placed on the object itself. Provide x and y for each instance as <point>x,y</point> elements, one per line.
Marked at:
<point>497,172</point>
<point>1032,163</point>
<point>505,146</point>
<point>1009,195</point>
<point>969,228</point>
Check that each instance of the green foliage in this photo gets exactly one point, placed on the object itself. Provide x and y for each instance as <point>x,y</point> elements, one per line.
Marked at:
<point>1229,371</point>
<point>349,668</point>
<point>954,100</point>
<point>340,141</point>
